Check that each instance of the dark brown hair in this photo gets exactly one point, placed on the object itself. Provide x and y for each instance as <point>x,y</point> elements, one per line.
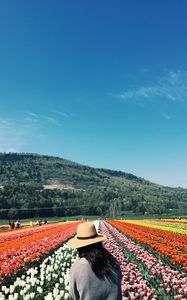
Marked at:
<point>100,259</point>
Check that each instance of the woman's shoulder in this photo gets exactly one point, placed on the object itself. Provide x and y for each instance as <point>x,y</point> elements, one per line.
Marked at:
<point>80,267</point>
<point>80,263</point>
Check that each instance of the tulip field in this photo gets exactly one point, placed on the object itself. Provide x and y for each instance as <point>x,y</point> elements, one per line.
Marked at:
<point>35,261</point>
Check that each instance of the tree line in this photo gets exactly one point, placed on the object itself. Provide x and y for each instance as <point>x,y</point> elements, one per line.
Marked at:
<point>93,191</point>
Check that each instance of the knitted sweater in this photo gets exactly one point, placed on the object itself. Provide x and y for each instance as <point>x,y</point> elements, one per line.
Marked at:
<point>85,285</point>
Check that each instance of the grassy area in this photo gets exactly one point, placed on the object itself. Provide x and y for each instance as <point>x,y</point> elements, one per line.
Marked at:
<point>125,216</point>
<point>50,220</point>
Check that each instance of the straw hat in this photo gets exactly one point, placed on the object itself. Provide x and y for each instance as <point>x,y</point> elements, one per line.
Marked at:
<point>86,235</point>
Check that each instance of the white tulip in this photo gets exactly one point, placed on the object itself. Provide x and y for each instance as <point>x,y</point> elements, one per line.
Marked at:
<point>39,289</point>
<point>12,289</point>
<point>32,295</point>
<point>55,292</point>
<point>22,283</point>
<point>6,290</point>
<point>49,297</point>
<point>16,296</point>
<point>33,281</point>
<point>66,296</point>
<point>58,297</point>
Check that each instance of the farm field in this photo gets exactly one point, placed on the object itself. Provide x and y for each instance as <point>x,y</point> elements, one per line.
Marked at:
<point>177,226</point>
<point>35,262</point>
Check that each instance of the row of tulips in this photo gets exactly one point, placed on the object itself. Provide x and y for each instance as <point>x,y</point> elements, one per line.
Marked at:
<point>23,232</point>
<point>134,286</point>
<point>18,253</point>
<point>184,221</point>
<point>168,282</point>
<point>166,243</point>
<point>48,281</point>
<point>176,227</point>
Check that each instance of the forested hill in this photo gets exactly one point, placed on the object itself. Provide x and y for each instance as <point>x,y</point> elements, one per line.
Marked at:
<point>37,185</point>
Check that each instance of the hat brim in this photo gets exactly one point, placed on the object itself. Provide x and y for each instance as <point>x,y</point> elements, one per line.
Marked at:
<point>75,242</point>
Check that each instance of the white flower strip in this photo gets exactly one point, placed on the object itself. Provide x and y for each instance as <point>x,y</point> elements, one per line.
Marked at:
<point>97,223</point>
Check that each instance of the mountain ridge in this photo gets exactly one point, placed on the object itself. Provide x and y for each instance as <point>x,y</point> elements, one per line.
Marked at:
<point>100,191</point>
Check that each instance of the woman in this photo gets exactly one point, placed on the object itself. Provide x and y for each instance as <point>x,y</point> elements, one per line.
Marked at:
<point>96,275</point>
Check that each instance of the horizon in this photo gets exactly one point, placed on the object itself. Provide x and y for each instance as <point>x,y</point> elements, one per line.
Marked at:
<point>103,84</point>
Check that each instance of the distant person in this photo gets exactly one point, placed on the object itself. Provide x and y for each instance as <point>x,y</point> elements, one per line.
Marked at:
<point>96,275</point>
<point>12,226</point>
<point>9,224</point>
<point>17,224</point>
<point>45,221</point>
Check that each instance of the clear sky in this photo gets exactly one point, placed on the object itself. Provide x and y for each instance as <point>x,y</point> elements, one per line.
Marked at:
<point>102,83</point>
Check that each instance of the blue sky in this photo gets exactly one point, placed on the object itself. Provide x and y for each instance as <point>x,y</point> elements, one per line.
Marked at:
<point>102,83</point>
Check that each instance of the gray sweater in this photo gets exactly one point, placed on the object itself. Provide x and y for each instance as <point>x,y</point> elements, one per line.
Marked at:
<point>85,285</point>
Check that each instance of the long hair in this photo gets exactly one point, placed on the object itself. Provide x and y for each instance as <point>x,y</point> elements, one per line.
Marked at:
<point>101,260</point>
